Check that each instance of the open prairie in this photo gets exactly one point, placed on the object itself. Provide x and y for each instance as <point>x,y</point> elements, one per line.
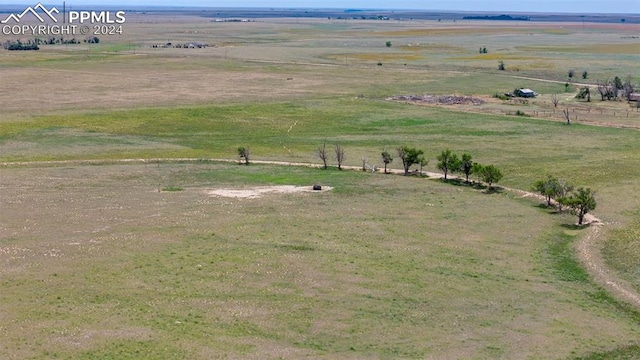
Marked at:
<point>114,244</point>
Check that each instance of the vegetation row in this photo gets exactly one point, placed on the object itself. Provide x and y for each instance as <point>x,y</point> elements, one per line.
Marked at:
<point>556,191</point>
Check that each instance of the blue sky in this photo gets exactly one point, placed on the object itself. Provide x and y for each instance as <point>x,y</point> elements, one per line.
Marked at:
<point>573,6</point>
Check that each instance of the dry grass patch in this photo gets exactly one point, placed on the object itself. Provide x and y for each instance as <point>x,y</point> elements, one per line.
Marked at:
<point>453,31</point>
<point>381,56</point>
<point>628,48</point>
<point>499,56</point>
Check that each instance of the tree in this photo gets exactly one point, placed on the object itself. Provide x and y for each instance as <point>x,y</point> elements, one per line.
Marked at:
<point>501,65</point>
<point>466,165</point>
<point>321,152</point>
<point>584,93</point>
<point>627,88</point>
<point>244,153</point>
<point>388,43</point>
<point>567,116</point>
<point>546,188</point>
<point>607,89</point>
<point>409,156</point>
<point>386,159</point>
<point>617,82</point>
<point>476,168</point>
<point>448,161</point>
<point>580,202</point>
<point>552,188</point>
<point>555,100</point>
<point>491,175</point>
<point>422,162</point>
<point>585,74</point>
<point>562,190</point>
<point>571,73</point>
<point>339,155</point>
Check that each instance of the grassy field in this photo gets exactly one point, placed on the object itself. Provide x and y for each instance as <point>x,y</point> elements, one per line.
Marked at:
<point>134,272</point>
<point>139,261</point>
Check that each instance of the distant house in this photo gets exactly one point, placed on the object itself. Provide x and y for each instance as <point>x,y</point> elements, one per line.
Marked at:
<point>634,97</point>
<point>525,93</point>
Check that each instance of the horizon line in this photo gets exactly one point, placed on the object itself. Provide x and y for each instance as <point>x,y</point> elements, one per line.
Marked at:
<point>147,6</point>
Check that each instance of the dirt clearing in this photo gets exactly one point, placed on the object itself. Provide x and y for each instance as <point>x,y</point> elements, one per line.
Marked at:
<point>257,192</point>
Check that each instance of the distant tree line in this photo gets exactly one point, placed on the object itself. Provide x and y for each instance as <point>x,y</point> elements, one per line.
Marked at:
<point>615,89</point>
<point>497,17</point>
<point>448,163</point>
<point>556,192</point>
<point>19,45</point>
<point>608,89</point>
<point>34,44</point>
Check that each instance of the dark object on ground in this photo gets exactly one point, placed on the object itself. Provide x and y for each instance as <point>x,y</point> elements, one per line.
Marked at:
<point>317,187</point>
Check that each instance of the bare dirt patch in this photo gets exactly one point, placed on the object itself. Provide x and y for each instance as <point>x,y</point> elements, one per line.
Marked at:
<point>438,99</point>
<point>257,192</point>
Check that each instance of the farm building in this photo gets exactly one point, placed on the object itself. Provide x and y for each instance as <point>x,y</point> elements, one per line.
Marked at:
<point>526,93</point>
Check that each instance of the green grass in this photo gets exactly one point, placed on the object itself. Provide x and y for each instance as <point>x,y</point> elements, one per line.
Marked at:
<point>621,251</point>
<point>567,267</point>
<point>172,188</point>
<point>371,268</point>
<point>625,353</point>
<point>522,147</point>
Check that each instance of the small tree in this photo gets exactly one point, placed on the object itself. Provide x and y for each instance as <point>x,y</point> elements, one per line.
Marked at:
<point>409,157</point>
<point>448,161</point>
<point>567,116</point>
<point>244,153</point>
<point>552,188</point>
<point>617,82</point>
<point>501,65</point>
<point>545,188</point>
<point>607,89</point>
<point>476,169</point>
<point>321,152</point>
<point>386,159</point>
<point>584,93</point>
<point>491,175</point>
<point>571,73</point>
<point>466,165</point>
<point>555,100</point>
<point>585,74</point>
<point>563,189</point>
<point>580,202</point>
<point>339,150</point>
<point>422,162</point>
<point>388,43</point>
<point>627,88</point>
